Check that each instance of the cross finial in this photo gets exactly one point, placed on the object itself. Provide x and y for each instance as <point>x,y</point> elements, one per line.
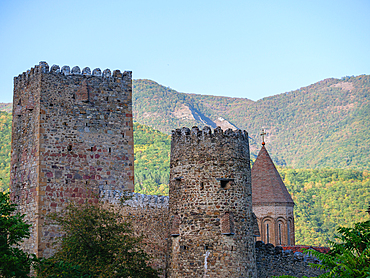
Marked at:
<point>263,136</point>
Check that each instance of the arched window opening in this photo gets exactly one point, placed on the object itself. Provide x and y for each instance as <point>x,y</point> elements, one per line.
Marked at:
<point>279,233</point>
<point>267,233</point>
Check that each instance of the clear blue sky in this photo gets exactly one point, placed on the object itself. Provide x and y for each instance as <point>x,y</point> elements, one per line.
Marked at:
<point>250,49</point>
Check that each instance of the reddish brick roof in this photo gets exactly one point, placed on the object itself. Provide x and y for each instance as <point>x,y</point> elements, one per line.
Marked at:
<point>300,248</point>
<point>267,185</point>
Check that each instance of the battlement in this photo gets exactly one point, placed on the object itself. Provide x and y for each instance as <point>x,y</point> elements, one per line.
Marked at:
<point>43,68</point>
<point>186,135</point>
<point>222,145</point>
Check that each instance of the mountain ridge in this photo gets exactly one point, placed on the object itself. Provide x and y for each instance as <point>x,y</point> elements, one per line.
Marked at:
<point>323,125</point>
<point>317,126</point>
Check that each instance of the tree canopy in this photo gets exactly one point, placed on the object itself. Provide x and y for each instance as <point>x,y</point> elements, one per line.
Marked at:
<point>97,243</point>
<point>14,261</point>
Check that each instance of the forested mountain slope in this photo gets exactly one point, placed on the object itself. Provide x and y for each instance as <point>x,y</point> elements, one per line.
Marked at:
<point>322,125</point>
<point>5,145</point>
<point>324,198</point>
<point>7,107</point>
<point>325,124</point>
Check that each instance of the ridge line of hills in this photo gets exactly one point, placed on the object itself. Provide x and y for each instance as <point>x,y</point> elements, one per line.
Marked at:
<point>324,198</point>
<point>323,125</point>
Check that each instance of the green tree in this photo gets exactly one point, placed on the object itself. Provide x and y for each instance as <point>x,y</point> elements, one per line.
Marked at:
<point>350,257</point>
<point>97,243</point>
<point>14,262</point>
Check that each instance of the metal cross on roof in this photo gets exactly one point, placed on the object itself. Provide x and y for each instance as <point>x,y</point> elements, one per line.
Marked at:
<point>263,136</point>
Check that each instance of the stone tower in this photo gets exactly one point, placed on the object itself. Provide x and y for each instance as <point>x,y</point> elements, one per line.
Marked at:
<point>272,203</point>
<point>210,205</point>
<point>72,137</point>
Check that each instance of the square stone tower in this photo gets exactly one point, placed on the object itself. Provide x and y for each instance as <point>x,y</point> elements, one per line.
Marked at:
<point>72,138</point>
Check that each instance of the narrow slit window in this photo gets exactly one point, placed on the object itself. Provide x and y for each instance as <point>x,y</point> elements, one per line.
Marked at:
<point>201,185</point>
<point>110,150</point>
<point>279,233</point>
<point>267,233</point>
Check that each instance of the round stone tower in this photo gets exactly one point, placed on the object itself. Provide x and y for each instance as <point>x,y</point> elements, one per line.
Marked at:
<point>210,205</point>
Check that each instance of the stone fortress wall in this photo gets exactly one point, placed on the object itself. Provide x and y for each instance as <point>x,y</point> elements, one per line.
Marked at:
<point>150,218</point>
<point>73,140</point>
<point>275,261</point>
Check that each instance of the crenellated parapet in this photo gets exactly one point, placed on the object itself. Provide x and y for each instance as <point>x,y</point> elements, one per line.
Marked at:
<point>43,68</point>
<point>187,144</point>
<point>186,135</point>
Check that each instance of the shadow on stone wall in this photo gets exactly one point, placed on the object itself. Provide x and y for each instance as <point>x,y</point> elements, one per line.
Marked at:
<point>275,261</point>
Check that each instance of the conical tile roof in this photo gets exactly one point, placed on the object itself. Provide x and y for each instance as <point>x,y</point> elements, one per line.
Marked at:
<point>267,185</point>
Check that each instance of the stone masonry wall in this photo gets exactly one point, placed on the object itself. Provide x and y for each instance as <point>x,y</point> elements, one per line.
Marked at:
<point>210,205</point>
<point>79,139</point>
<point>24,169</point>
<point>274,261</point>
<point>149,217</point>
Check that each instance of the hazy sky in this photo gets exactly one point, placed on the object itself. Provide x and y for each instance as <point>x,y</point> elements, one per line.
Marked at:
<point>250,49</point>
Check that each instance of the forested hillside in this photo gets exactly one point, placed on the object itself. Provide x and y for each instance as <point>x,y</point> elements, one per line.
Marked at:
<point>5,142</point>
<point>321,125</point>
<point>7,107</point>
<point>324,198</point>
<point>152,160</point>
<point>324,125</point>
